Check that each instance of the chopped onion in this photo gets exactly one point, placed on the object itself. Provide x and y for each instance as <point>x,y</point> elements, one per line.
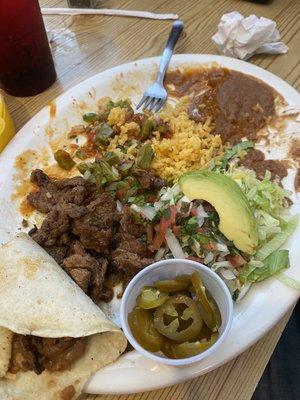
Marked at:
<point>220,264</point>
<point>174,245</point>
<point>185,199</point>
<point>208,258</point>
<point>196,247</point>
<point>223,256</point>
<point>158,205</point>
<point>87,174</point>
<point>119,206</point>
<point>160,253</point>
<point>227,274</point>
<point>201,212</point>
<point>147,211</point>
<point>169,193</point>
<point>201,215</point>
<point>221,247</point>
<point>200,221</point>
<point>115,171</point>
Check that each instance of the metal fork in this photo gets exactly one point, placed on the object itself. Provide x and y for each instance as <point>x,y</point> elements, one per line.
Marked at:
<point>156,95</point>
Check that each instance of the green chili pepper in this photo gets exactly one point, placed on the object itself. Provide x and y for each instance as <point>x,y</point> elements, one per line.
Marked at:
<point>64,159</point>
<point>82,167</point>
<point>145,156</point>
<point>112,158</point>
<point>81,154</point>
<point>90,117</point>
<point>100,172</point>
<point>146,129</point>
<point>125,166</point>
<point>120,103</point>
<point>103,134</point>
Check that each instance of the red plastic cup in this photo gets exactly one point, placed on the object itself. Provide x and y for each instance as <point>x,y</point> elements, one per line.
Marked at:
<point>26,63</point>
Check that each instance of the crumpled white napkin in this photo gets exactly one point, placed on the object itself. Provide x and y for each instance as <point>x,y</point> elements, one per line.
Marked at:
<point>241,37</point>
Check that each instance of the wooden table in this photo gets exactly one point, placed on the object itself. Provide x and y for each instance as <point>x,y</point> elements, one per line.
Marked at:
<point>84,46</point>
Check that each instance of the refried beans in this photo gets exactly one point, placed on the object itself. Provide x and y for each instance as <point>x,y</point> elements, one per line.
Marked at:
<point>239,105</point>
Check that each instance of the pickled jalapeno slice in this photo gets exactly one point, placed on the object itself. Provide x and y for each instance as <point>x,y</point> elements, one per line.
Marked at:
<point>142,327</point>
<point>151,297</point>
<point>170,285</point>
<point>187,349</point>
<point>178,318</point>
<point>183,278</point>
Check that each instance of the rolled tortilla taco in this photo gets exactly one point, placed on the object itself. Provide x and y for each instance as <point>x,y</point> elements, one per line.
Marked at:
<point>52,335</point>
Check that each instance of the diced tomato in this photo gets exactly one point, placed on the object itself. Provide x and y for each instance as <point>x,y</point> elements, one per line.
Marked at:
<point>211,246</point>
<point>163,225</point>
<point>91,136</point>
<point>176,230</point>
<point>237,260</point>
<point>193,212</point>
<point>152,198</point>
<point>160,233</point>
<point>158,241</point>
<point>121,193</point>
<point>173,212</point>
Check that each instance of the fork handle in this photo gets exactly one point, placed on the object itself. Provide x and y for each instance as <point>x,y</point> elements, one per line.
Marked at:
<point>177,28</point>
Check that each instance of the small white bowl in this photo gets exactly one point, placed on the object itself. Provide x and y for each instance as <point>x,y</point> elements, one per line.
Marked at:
<point>168,269</point>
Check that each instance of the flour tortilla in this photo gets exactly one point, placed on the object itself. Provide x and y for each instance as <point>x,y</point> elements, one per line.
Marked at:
<point>5,350</point>
<point>38,298</point>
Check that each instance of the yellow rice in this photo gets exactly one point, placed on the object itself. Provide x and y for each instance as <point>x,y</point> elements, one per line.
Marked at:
<point>191,146</point>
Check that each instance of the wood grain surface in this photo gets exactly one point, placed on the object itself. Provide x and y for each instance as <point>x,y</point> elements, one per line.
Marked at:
<point>85,45</point>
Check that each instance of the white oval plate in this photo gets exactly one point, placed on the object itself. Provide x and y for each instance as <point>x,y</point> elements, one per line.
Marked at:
<point>257,313</point>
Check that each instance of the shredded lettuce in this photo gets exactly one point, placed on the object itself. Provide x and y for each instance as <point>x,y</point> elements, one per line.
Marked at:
<point>267,225</point>
<point>275,262</point>
<point>287,280</point>
<point>287,228</point>
<point>235,151</point>
<point>262,195</point>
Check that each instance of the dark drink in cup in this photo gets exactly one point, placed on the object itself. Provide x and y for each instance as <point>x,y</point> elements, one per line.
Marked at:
<point>26,63</point>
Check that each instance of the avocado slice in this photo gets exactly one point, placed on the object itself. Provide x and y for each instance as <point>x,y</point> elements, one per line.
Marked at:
<point>237,222</point>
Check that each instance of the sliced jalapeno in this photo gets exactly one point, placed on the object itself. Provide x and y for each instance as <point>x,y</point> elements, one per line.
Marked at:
<point>142,327</point>
<point>151,297</point>
<point>170,285</point>
<point>187,349</point>
<point>200,292</point>
<point>183,278</point>
<point>178,318</point>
